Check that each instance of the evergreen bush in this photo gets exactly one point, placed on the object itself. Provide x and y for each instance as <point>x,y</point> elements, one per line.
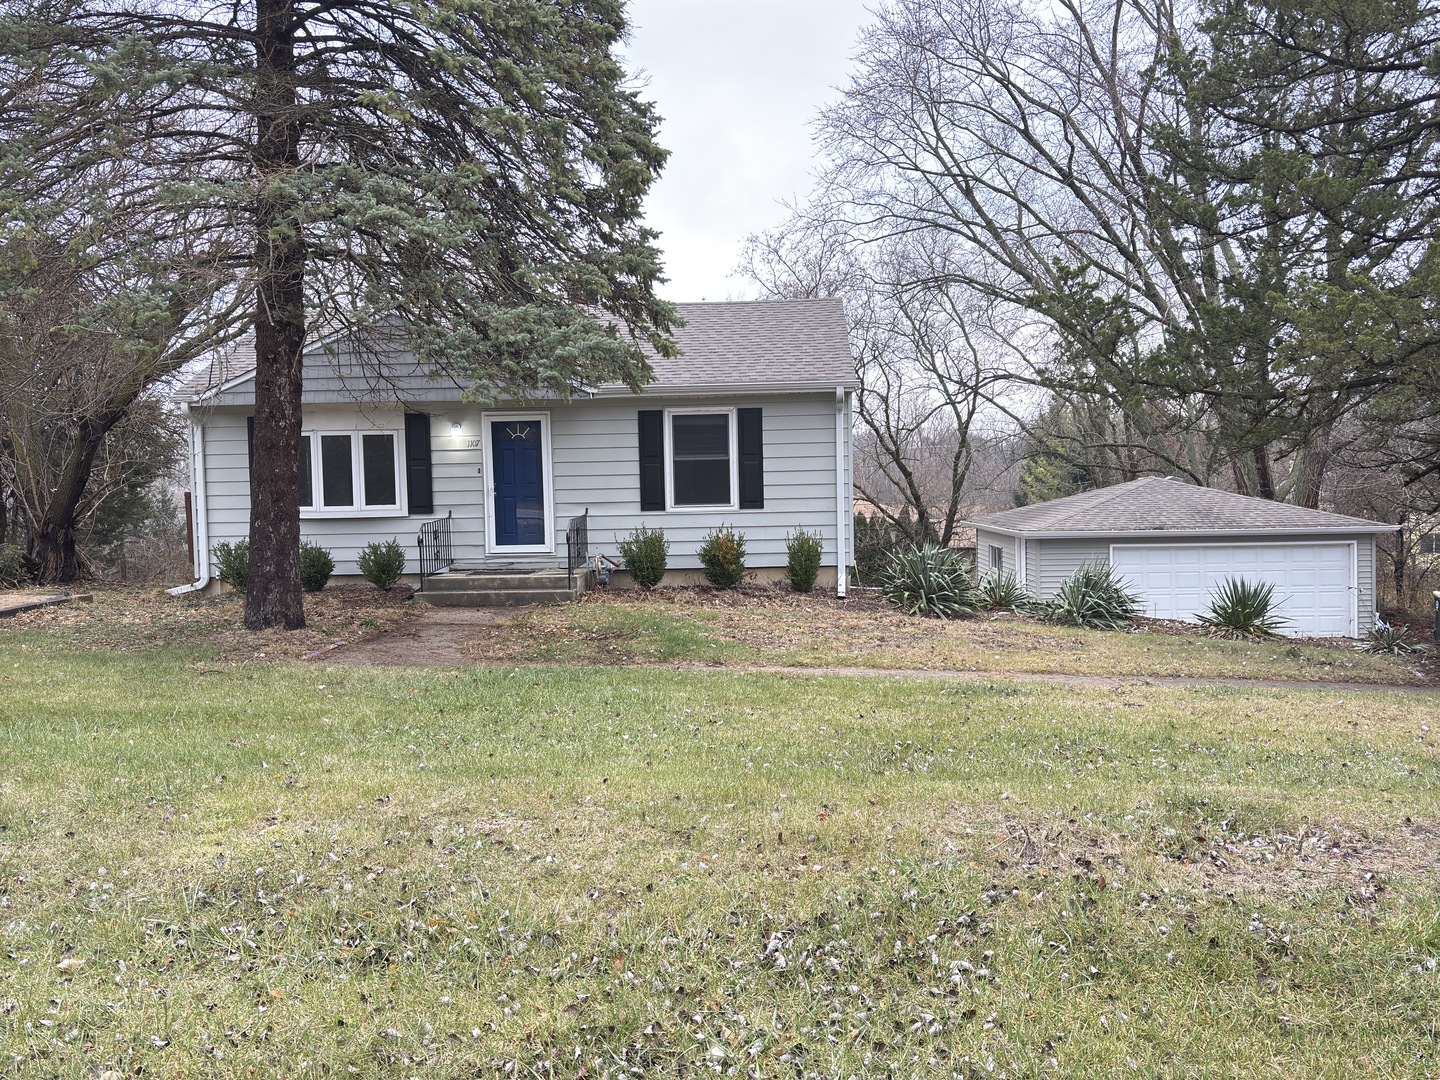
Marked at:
<point>232,563</point>
<point>12,566</point>
<point>645,553</point>
<point>382,564</point>
<point>802,563</point>
<point>316,566</point>
<point>1001,591</point>
<point>722,556</point>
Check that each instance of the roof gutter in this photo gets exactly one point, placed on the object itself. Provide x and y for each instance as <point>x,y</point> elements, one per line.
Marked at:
<point>202,509</point>
<point>1102,534</point>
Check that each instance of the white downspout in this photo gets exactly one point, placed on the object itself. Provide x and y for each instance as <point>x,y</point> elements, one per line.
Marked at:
<point>199,509</point>
<point>840,494</point>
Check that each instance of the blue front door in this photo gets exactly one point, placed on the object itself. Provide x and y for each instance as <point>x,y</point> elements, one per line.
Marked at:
<point>519,466</point>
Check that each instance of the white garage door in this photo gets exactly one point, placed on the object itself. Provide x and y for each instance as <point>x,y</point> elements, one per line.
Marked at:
<point>1314,583</point>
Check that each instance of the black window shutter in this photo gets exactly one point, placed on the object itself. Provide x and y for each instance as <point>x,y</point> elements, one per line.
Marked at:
<point>250,443</point>
<point>752,459</point>
<point>420,487</point>
<point>652,459</point>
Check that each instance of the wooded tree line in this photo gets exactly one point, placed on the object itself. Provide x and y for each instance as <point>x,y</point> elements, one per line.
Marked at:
<point>1155,237</point>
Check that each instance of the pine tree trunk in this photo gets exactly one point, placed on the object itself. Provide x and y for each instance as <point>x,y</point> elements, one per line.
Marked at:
<point>273,596</point>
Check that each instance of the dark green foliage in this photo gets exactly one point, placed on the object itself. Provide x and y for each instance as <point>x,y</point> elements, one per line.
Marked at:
<point>382,564</point>
<point>1242,609</point>
<point>316,566</point>
<point>645,552</point>
<point>931,580</point>
<point>12,566</point>
<point>1094,597</point>
<point>874,541</point>
<point>803,552</point>
<point>1390,641</point>
<point>1002,592</point>
<point>722,556</point>
<point>232,564</point>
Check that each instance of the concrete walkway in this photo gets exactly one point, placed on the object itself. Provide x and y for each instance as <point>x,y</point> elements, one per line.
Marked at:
<point>15,603</point>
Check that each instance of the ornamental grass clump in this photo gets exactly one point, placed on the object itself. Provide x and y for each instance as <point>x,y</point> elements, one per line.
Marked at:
<point>802,564</point>
<point>316,566</point>
<point>1095,598</point>
<point>933,581</point>
<point>645,553</point>
<point>722,557</point>
<point>1242,609</point>
<point>382,564</point>
<point>1000,591</point>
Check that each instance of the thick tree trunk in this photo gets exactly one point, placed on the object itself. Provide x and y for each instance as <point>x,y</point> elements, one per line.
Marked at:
<point>51,543</point>
<point>273,596</point>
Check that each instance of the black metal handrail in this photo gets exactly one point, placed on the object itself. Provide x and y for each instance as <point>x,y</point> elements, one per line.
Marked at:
<point>577,544</point>
<point>434,544</point>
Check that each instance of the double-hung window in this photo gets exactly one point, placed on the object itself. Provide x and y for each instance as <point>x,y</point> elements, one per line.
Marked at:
<point>997,558</point>
<point>701,458</point>
<point>352,473</point>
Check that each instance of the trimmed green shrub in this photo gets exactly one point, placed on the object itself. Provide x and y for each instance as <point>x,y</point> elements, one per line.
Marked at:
<point>232,563</point>
<point>932,580</point>
<point>382,564</point>
<point>1000,591</point>
<point>1390,640</point>
<point>645,553</point>
<point>802,562</point>
<point>316,566</point>
<point>722,556</point>
<point>12,566</point>
<point>1242,609</point>
<point>874,543</point>
<point>1094,597</point>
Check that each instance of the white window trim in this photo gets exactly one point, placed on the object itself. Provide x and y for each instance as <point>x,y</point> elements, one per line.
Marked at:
<point>357,475</point>
<point>734,503</point>
<point>487,451</point>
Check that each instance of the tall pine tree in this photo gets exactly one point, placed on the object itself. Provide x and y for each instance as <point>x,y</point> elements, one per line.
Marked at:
<point>473,169</point>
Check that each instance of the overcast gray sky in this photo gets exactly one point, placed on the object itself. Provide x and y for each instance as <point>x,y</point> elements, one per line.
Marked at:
<point>738,83</point>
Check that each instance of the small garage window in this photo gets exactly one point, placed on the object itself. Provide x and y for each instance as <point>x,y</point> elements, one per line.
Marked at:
<point>1430,544</point>
<point>997,558</point>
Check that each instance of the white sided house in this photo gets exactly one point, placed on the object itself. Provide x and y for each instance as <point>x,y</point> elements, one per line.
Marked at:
<point>1174,543</point>
<point>748,427</point>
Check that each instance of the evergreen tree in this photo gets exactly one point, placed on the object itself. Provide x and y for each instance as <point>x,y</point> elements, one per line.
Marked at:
<point>471,172</point>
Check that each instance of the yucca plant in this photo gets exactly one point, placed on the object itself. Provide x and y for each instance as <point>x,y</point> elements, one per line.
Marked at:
<point>1094,597</point>
<point>1001,591</point>
<point>931,580</point>
<point>1390,640</point>
<point>1242,609</point>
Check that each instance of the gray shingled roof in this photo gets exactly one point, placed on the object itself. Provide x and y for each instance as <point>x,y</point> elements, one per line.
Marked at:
<point>1158,504</point>
<point>741,345</point>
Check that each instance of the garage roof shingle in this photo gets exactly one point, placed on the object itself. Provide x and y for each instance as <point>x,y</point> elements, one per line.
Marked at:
<point>1157,504</point>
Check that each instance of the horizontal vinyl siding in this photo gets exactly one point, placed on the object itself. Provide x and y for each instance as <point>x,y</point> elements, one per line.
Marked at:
<point>1055,560</point>
<point>227,481</point>
<point>595,453</point>
<point>984,541</point>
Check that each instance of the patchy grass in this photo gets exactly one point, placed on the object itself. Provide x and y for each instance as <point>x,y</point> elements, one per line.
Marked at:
<point>128,619</point>
<point>287,870</point>
<point>777,627</point>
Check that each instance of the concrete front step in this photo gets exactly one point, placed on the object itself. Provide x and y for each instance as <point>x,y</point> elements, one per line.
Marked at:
<point>496,588</point>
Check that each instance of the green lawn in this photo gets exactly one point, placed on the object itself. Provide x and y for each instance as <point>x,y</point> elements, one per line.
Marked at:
<point>210,869</point>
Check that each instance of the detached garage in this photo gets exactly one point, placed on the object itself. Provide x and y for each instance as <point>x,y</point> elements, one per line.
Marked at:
<point>1175,543</point>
